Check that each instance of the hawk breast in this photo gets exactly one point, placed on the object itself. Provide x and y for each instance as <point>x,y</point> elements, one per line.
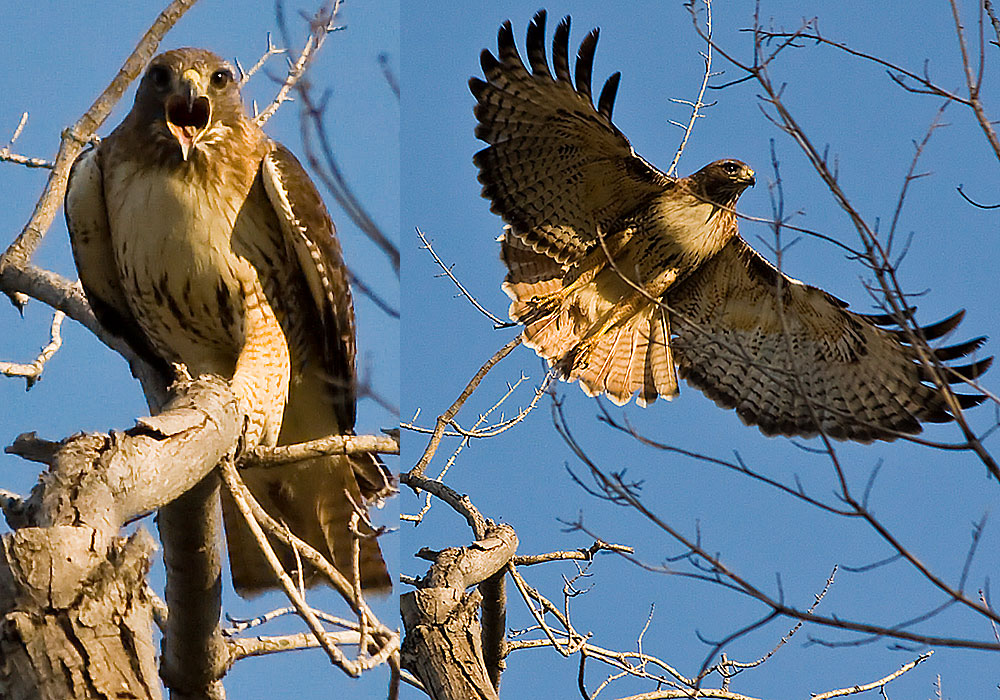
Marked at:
<point>175,238</point>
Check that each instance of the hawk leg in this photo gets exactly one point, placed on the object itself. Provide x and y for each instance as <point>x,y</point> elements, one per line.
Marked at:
<point>260,380</point>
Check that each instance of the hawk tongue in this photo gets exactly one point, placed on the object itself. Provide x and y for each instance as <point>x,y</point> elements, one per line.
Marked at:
<point>185,136</point>
<point>187,117</point>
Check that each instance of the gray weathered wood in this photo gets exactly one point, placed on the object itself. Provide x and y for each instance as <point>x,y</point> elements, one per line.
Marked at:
<point>75,613</point>
<point>443,646</point>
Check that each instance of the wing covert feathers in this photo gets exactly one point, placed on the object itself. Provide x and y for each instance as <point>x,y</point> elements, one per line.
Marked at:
<point>805,364</point>
<point>309,233</point>
<point>90,239</point>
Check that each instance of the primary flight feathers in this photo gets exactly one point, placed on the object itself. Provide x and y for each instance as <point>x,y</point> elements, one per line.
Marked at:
<point>622,275</point>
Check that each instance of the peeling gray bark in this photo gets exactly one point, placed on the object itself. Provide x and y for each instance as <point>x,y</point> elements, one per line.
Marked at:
<point>75,614</point>
<point>74,608</point>
<point>443,643</point>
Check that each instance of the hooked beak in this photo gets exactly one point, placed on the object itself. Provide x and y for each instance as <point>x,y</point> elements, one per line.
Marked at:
<point>188,112</point>
<point>748,177</point>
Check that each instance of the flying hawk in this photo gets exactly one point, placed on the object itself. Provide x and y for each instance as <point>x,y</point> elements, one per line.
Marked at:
<point>621,274</point>
<point>201,240</point>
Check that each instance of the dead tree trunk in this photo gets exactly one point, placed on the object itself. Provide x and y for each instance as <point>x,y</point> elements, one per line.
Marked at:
<point>443,644</point>
<point>75,612</point>
<point>74,608</point>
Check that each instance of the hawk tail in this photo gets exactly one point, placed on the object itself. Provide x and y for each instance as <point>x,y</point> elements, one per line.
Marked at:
<point>632,357</point>
<point>315,499</point>
<point>563,325</point>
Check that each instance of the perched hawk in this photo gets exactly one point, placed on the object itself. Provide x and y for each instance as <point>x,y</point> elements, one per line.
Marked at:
<point>203,242</point>
<point>621,274</point>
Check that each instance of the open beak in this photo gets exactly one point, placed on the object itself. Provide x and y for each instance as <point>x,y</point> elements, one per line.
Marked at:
<point>188,112</point>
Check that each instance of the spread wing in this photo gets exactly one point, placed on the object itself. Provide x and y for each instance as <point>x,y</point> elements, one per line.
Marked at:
<point>310,236</point>
<point>556,169</point>
<point>90,239</point>
<point>806,363</point>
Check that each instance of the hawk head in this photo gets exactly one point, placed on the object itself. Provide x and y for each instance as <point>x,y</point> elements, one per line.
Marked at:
<point>188,102</point>
<point>723,181</point>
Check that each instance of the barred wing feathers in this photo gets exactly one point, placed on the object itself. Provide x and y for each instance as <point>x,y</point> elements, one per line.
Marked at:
<point>583,209</point>
<point>798,362</point>
<point>556,169</point>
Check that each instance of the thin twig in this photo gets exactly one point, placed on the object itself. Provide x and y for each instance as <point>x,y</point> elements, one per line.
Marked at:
<point>33,372</point>
<point>332,177</point>
<point>270,52</point>
<point>585,554</point>
<point>7,155</point>
<point>426,245</point>
<point>322,447</point>
<point>322,24</point>
<point>699,103</point>
<point>262,646</point>
<point>241,497</point>
<point>881,682</point>
<point>445,418</point>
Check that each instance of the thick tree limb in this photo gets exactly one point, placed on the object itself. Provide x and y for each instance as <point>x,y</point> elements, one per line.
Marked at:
<point>195,656</point>
<point>443,646</point>
<point>494,624</point>
<point>72,592</point>
<point>73,605</point>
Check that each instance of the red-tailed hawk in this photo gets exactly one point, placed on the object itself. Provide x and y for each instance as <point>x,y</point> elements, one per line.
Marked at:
<point>621,274</point>
<point>204,242</point>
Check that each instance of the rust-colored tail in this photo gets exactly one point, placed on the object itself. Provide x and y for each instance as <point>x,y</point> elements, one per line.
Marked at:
<point>577,329</point>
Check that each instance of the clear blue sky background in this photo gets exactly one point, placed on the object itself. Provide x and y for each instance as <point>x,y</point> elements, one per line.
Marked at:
<point>60,55</point>
<point>930,499</point>
<point>57,58</point>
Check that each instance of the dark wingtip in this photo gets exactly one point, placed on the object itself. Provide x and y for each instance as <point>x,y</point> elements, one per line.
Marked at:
<point>931,331</point>
<point>476,87</point>
<point>585,62</point>
<point>955,375</point>
<point>505,35</point>
<point>606,102</point>
<point>489,63</point>
<point>888,319</point>
<point>506,46</point>
<point>970,400</point>
<point>936,330</point>
<point>953,352</point>
<point>535,43</point>
<point>560,51</point>
<point>971,370</point>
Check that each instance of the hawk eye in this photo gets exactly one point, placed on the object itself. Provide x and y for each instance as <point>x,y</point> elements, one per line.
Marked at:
<point>221,78</point>
<point>730,167</point>
<point>160,76</point>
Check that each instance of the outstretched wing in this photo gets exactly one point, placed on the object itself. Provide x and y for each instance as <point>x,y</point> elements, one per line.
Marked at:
<point>309,234</point>
<point>556,169</point>
<point>798,362</point>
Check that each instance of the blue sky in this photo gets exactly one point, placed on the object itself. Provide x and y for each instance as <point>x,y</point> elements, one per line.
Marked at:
<point>929,498</point>
<point>58,57</point>
<point>411,164</point>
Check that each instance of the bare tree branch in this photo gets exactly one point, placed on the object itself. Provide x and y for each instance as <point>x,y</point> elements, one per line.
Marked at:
<point>33,372</point>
